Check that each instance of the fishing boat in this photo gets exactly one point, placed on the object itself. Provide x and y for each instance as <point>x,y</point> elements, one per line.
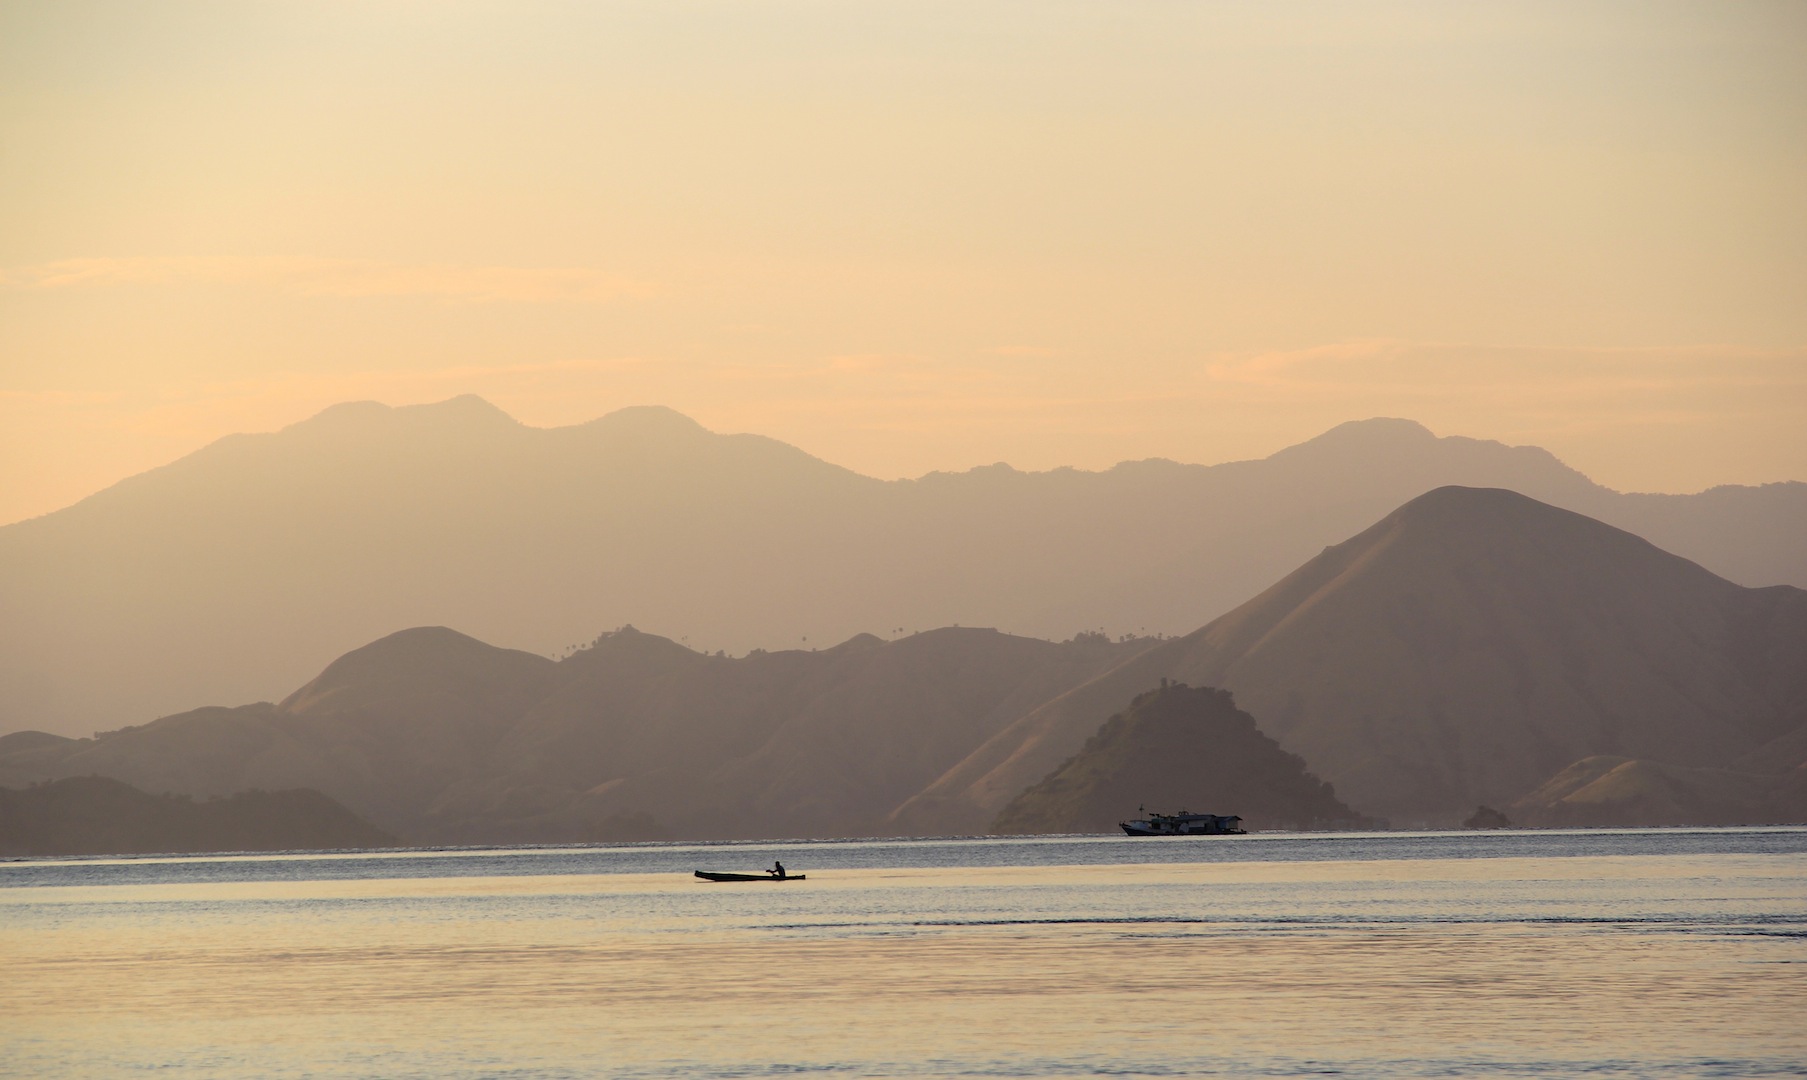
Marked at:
<point>716,875</point>
<point>1184,823</point>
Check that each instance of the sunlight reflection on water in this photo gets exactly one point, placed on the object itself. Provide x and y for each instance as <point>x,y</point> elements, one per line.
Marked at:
<point>1634,954</point>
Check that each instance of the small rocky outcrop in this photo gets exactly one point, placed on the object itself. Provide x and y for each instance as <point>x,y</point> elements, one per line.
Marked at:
<point>1486,817</point>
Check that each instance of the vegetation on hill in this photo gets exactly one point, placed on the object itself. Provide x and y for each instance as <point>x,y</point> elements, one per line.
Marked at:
<point>93,815</point>
<point>1178,748</point>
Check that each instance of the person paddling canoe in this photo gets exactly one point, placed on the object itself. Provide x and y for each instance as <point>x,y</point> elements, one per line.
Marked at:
<point>777,870</point>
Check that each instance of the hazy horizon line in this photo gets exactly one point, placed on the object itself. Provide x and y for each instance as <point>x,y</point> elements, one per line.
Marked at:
<point>473,396</point>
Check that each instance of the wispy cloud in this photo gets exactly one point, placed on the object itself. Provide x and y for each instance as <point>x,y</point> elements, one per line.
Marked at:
<point>1020,351</point>
<point>1385,361</point>
<point>340,277</point>
<point>1612,383</point>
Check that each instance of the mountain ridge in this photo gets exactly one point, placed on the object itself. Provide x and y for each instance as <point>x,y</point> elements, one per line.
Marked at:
<point>441,738</point>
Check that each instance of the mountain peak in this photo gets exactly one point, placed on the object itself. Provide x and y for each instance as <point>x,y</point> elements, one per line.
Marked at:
<point>1407,451</point>
<point>1462,499</point>
<point>462,413</point>
<point>421,655</point>
<point>1380,432</point>
<point>647,420</point>
<point>468,407</point>
<point>1493,519</point>
<point>1388,427</point>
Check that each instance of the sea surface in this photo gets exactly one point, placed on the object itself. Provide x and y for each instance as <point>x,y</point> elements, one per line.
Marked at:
<point>1643,953</point>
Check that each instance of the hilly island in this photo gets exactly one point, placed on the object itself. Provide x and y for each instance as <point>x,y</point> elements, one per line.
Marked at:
<point>1472,646</point>
<point>1177,746</point>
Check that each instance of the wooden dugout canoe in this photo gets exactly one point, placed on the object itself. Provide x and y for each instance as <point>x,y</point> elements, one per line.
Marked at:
<point>714,875</point>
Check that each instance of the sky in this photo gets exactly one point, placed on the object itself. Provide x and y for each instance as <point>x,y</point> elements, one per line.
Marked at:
<point>909,236</point>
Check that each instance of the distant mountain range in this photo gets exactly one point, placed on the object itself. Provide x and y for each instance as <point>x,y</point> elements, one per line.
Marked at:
<point>235,572</point>
<point>92,815</point>
<point>1471,647</point>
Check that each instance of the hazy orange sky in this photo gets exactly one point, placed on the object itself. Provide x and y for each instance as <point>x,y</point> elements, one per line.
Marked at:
<point>909,236</point>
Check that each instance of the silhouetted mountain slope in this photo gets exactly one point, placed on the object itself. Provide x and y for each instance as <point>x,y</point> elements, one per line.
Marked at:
<point>1460,651</point>
<point>1176,748</point>
<point>233,573</point>
<point>442,738</point>
<point>92,815</point>
<point>22,741</point>
<point>1606,791</point>
<point>1784,752</point>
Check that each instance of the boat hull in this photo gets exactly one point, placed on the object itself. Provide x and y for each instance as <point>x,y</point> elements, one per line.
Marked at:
<point>1184,823</point>
<point>712,875</point>
<point>1132,829</point>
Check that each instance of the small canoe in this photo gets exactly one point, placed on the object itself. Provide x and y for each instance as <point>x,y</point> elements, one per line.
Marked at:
<point>711,875</point>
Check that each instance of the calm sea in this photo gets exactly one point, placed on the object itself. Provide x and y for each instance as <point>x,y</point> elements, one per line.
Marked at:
<point>1637,954</point>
